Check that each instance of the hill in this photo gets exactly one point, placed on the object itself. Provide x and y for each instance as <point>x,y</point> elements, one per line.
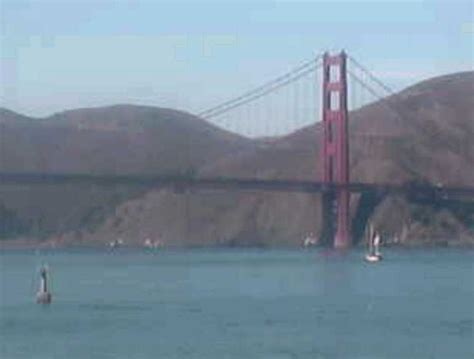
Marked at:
<point>421,134</point>
<point>120,139</point>
<point>424,135</point>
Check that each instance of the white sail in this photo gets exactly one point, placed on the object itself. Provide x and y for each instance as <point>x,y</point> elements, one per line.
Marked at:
<point>373,241</point>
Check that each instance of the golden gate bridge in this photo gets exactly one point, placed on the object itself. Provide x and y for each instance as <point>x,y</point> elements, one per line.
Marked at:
<point>316,91</point>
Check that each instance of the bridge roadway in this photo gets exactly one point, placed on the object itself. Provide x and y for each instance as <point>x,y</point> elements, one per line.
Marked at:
<point>182,182</point>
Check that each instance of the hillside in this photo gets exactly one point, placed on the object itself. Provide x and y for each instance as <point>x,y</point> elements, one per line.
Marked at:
<point>425,134</point>
<point>427,137</point>
<point>121,139</point>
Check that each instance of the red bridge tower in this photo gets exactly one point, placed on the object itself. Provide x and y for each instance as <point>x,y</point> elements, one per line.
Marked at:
<point>335,150</point>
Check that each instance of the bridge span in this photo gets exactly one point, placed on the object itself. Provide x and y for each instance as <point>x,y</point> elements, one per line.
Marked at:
<point>186,182</point>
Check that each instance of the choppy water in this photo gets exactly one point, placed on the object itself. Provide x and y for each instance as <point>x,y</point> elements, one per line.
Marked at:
<point>240,304</point>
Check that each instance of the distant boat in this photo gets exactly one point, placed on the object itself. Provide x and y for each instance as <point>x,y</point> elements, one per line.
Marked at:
<point>310,241</point>
<point>43,296</point>
<point>152,244</point>
<point>116,243</point>
<point>373,254</point>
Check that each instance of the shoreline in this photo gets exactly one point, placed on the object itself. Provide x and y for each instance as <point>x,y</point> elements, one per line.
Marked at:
<point>32,244</point>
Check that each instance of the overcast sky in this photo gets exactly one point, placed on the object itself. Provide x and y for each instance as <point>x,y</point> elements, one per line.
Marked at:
<point>192,54</point>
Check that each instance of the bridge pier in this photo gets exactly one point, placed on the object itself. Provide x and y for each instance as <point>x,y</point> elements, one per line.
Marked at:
<point>342,238</point>
<point>328,212</point>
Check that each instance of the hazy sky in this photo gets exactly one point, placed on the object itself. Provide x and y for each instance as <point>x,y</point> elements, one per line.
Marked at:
<point>192,54</point>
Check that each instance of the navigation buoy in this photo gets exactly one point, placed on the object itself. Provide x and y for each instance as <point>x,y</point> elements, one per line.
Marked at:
<point>43,296</point>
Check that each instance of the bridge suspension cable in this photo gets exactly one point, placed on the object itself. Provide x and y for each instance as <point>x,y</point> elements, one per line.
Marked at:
<point>264,89</point>
<point>278,107</point>
<point>386,98</point>
<point>374,78</point>
<point>361,82</point>
<point>293,100</point>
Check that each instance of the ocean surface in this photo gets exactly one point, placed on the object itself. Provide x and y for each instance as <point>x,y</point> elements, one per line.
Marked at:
<point>239,304</point>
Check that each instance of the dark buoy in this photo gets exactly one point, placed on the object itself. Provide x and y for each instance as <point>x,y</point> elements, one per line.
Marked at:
<point>43,296</point>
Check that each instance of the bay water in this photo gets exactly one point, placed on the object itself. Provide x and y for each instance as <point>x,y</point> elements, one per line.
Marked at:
<point>239,303</point>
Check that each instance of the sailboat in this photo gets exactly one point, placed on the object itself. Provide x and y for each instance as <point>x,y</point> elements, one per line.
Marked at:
<point>373,254</point>
<point>43,296</point>
<point>377,245</point>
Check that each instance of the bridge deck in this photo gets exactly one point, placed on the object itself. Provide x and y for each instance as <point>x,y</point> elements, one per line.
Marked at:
<point>225,183</point>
